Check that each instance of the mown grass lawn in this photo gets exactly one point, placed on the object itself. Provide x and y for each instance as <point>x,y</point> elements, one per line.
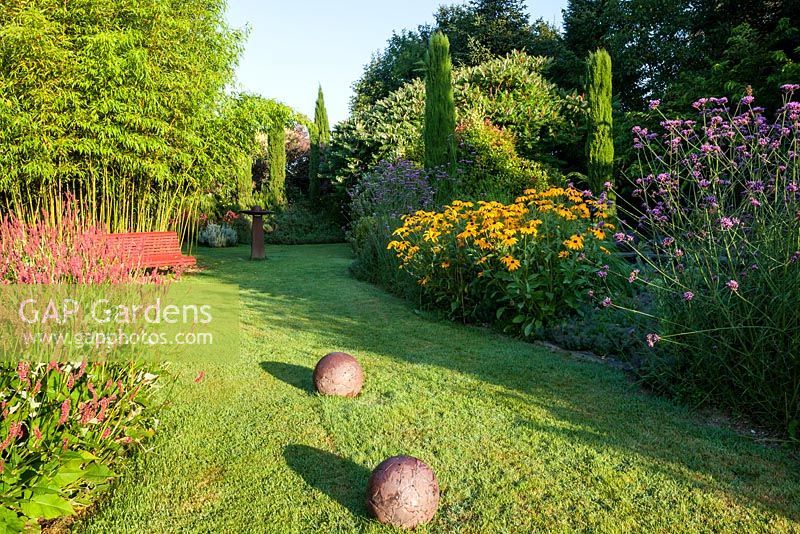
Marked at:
<point>522,440</point>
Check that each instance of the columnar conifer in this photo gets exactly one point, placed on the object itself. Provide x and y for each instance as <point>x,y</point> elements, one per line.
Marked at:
<point>440,111</point>
<point>320,138</point>
<point>600,141</point>
<point>276,146</point>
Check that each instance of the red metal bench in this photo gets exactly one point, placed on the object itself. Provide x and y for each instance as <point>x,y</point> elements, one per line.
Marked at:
<point>152,249</point>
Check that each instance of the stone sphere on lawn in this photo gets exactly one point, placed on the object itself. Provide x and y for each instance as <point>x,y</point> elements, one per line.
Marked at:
<point>339,374</point>
<point>403,492</point>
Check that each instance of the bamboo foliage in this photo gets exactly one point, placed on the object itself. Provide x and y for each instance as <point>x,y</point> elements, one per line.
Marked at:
<point>112,103</point>
<point>243,128</point>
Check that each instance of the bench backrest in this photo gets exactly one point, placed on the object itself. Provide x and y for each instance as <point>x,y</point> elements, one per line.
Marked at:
<point>151,249</point>
<point>147,242</point>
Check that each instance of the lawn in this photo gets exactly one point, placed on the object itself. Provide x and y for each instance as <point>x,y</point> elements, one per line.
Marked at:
<point>521,439</point>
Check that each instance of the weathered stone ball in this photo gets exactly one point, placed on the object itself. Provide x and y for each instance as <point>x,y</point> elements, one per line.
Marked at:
<point>403,492</point>
<point>338,373</point>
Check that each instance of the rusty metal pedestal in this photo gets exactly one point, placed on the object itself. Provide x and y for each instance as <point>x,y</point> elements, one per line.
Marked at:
<point>257,242</point>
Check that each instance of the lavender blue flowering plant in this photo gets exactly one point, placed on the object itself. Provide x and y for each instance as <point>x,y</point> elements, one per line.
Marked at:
<point>378,200</point>
<point>718,234</point>
<point>392,188</point>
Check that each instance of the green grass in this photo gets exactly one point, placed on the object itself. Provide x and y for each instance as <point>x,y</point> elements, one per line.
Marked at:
<point>521,440</point>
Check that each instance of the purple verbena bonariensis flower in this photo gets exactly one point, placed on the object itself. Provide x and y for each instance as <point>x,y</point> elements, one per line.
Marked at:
<point>652,339</point>
<point>621,237</point>
<point>729,222</point>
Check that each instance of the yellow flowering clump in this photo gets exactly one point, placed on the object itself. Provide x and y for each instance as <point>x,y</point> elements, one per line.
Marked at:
<point>497,228</point>
<point>466,243</point>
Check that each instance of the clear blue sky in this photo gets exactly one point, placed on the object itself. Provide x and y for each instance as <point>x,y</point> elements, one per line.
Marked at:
<point>295,45</point>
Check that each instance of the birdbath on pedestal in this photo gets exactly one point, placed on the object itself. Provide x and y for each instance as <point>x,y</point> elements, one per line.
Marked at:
<point>257,243</point>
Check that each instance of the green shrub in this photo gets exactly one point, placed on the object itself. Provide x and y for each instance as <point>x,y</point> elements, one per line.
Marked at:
<point>300,223</point>
<point>514,94</point>
<point>511,92</point>
<point>490,167</point>
<point>374,263</point>
<point>218,235</point>
<point>243,226</point>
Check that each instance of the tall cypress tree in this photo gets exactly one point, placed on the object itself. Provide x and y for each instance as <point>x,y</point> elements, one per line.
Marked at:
<point>600,141</point>
<point>276,148</point>
<point>320,138</point>
<point>440,109</point>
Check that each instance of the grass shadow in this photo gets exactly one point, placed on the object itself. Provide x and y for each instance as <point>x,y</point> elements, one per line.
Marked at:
<point>597,405</point>
<point>294,375</point>
<point>339,478</point>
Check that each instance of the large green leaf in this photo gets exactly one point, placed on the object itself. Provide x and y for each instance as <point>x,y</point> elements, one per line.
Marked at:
<point>47,506</point>
<point>68,473</point>
<point>98,473</point>
<point>10,521</point>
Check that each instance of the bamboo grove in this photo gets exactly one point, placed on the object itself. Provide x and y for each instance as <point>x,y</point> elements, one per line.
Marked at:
<point>120,105</point>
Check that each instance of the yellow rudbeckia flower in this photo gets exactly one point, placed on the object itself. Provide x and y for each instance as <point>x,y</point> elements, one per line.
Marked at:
<point>511,263</point>
<point>575,242</point>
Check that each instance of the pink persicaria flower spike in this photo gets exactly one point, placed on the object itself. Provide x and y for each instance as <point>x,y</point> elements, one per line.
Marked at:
<point>22,371</point>
<point>82,369</point>
<point>65,406</point>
